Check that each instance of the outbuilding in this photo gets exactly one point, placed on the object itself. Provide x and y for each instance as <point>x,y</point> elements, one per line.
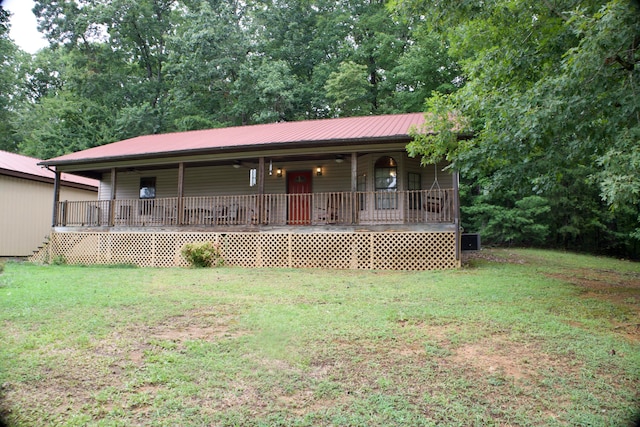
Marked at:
<point>26,201</point>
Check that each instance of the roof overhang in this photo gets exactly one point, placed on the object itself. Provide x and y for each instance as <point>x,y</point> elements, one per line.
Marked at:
<point>46,180</point>
<point>93,166</point>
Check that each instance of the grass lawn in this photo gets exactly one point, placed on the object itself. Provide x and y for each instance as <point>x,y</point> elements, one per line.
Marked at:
<point>516,337</point>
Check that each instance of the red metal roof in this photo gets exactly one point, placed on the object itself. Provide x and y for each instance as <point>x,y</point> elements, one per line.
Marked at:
<point>27,167</point>
<point>326,130</point>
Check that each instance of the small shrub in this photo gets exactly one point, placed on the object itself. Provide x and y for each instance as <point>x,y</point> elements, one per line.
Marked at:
<point>1,267</point>
<point>206,254</point>
<point>59,260</point>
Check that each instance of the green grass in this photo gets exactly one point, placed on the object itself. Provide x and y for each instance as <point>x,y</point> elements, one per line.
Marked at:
<point>517,337</point>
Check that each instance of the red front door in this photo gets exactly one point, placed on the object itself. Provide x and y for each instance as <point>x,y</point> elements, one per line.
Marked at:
<point>299,190</point>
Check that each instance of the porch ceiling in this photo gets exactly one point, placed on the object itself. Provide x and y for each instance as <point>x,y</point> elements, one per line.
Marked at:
<point>248,158</point>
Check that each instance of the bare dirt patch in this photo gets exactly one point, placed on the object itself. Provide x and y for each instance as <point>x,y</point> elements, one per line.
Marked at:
<point>67,385</point>
<point>196,325</point>
<point>469,258</point>
<point>498,355</point>
<point>619,288</point>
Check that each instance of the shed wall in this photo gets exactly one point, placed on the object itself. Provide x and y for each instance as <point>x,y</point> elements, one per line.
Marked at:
<point>25,213</point>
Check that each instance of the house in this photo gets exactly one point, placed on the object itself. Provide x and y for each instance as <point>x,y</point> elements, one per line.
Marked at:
<point>26,199</point>
<point>336,193</point>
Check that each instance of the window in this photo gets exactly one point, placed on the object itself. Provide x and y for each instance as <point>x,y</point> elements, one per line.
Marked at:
<point>386,172</point>
<point>147,194</point>
<point>414,185</point>
<point>253,177</point>
<point>148,188</point>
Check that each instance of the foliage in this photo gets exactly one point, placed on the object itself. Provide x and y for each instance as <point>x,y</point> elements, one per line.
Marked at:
<point>348,89</point>
<point>63,123</point>
<point>273,88</point>
<point>424,70</point>
<point>59,260</point>
<point>12,93</point>
<point>205,254</point>
<point>550,95</point>
<point>524,223</point>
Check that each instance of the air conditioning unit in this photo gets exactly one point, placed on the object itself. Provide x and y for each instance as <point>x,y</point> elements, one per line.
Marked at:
<point>470,242</point>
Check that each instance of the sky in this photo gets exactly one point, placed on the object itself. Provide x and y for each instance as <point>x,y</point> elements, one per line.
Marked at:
<point>24,28</point>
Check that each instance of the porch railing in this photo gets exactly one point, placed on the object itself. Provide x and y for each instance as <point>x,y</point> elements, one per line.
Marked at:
<point>335,208</point>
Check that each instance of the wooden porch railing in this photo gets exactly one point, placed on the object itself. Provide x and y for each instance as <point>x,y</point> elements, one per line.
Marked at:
<point>336,208</point>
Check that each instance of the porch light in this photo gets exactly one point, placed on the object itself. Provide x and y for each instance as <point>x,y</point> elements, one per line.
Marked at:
<point>279,172</point>
<point>237,164</point>
<point>319,171</point>
<point>339,158</point>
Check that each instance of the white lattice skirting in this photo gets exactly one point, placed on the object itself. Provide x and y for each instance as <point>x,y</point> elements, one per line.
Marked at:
<point>347,250</point>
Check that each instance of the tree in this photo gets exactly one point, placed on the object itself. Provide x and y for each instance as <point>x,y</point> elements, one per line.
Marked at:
<point>12,65</point>
<point>520,222</point>
<point>150,66</point>
<point>423,69</point>
<point>139,30</point>
<point>306,35</point>
<point>62,124</point>
<point>348,89</point>
<point>550,92</point>
<point>101,71</point>
<point>204,62</point>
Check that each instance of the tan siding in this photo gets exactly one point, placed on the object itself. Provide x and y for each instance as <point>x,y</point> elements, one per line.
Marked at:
<point>26,208</point>
<point>104,190</point>
<point>220,180</point>
<point>128,184</point>
<point>73,194</point>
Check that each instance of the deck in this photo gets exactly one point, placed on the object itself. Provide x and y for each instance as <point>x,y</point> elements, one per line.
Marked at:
<point>411,230</point>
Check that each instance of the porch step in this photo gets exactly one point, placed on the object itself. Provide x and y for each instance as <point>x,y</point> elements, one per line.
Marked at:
<point>40,255</point>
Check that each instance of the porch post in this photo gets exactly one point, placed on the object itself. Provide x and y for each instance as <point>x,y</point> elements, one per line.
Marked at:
<point>260,204</point>
<point>112,198</point>
<point>354,187</point>
<point>456,211</point>
<point>180,207</point>
<point>56,197</point>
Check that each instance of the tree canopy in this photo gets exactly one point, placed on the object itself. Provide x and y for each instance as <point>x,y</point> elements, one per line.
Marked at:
<point>551,96</point>
<point>121,68</point>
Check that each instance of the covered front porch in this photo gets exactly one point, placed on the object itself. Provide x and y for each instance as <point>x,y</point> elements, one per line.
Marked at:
<point>252,212</point>
<point>360,211</point>
<point>407,230</point>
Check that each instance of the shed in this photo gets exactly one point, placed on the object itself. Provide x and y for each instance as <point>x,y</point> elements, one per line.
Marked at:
<point>26,201</point>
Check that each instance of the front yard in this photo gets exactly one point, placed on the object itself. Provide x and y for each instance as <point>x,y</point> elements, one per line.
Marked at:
<point>516,337</point>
